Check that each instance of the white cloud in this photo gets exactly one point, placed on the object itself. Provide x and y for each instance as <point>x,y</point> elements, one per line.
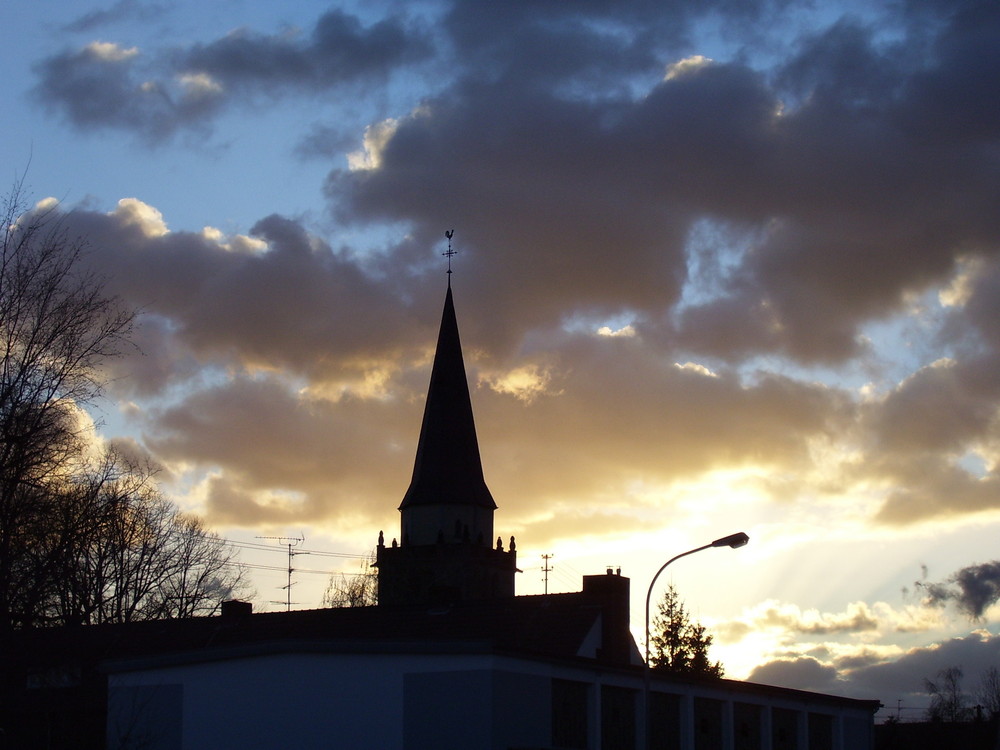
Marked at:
<point>524,383</point>
<point>686,66</point>
<point>199,85</point>
<point>110,52</point>
<point>375,139</point>
<point>695,368</point>
<point>625,331</point>
<point>133,212</point>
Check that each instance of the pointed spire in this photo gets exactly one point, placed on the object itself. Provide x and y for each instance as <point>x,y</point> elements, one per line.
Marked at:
<point>448,469</point>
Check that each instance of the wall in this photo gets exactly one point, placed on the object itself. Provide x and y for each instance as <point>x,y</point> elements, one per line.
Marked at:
<point>450,701</point>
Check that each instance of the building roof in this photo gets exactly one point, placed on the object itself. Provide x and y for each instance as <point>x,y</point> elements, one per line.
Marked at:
<point>548,627</point>
<point>555,625</point>
<point>448,469</point>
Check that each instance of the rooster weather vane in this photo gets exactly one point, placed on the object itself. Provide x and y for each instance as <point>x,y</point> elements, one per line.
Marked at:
<point>449,252</point>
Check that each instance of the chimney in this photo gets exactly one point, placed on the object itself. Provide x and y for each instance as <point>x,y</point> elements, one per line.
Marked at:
<point>611,592</point>
<point>233,608</point>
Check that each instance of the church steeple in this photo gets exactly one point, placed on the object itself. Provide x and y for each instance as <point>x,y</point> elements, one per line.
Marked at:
<point>448,469</point>
<point>446,550</point>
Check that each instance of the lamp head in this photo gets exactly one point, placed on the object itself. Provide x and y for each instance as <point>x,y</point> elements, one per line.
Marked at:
<point>733,540</point>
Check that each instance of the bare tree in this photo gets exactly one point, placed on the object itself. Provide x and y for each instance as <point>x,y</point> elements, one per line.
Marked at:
<point>56,327</point>
<point>988,692</point>
<point>948,701</point>
<point>82,539</point>
<point>202,573</point>
<point>353,590</point>
<point>132,556</point>
<point>676,643</point>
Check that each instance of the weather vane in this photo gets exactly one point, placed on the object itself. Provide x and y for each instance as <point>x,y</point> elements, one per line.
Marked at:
<point>449,252</point>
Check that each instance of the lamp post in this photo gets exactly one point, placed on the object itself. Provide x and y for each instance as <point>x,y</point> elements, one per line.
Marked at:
<point>734,541</point>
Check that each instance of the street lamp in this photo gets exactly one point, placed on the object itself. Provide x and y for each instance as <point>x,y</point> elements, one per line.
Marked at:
<point>734,541</point>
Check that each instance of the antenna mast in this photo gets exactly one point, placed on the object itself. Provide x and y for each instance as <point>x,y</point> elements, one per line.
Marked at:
<point>291,542</point>
<point>546,568</point>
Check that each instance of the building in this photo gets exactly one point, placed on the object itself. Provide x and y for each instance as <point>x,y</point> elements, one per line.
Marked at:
<point>450,659</point>
<point>446,551</point>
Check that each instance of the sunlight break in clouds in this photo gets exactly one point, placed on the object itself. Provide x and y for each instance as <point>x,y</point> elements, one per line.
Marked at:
<point>110,52</point>
<point>696,368</point>
<point>960,290</point>
<point>626,331</point>
<point>198,85</point>
<point>524,383</point>
<point>133,212</point>
<point>375,139</point>
<point>686,66</point>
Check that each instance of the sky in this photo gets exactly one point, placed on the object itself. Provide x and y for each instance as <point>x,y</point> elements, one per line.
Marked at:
<point>721,266</point>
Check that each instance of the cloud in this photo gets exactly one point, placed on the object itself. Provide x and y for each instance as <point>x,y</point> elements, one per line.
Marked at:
<point>803,674</point>
<point>121,11</point>
<point>894,678</point>
<point>102,85</point>
<point>285,456</point>
<point>107,86</point>
<point>880,674</point>
<point>749,217</point>
<point>972,589</point>
<point>565,415</point>
<point>826,160</point>
<point>857,619</point>
<point>789,621</point>
<point>232,300</point>
<point>339,50</point>
<point>920,433</point>
<point>844,210</point>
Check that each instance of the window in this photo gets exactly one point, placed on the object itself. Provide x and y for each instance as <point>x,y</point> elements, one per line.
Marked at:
<point>617,718</point>
<point>569,714</point>
<point>665,721</point>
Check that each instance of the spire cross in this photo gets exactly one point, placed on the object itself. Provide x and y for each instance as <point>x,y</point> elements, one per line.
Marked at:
<point>449,252</point>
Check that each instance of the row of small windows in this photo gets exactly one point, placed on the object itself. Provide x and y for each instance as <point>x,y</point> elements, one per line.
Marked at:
<point>571,721</point>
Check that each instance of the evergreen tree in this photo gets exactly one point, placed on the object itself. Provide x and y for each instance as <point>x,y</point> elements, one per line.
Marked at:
<point>676,643</point>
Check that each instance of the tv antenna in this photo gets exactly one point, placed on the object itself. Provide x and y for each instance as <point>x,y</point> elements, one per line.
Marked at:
<point>291,542</point>
<point>449,252</point>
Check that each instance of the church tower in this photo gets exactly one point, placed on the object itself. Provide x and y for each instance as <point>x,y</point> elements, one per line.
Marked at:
<point>446,551</point>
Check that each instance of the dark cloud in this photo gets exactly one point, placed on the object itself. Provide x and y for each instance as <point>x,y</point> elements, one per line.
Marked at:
<point>287,456</point>
<point>123,10</point>
<point>834,175</point>
<point>857,170</point>
<point>982,312</point>
<point>360,449</point>
<point>951,96</point>
<point>903,676</point>
<point>804,673</point>
<point>101,86</point>
<point>919,435</point>
<point>234,301</point>
<point>850,205</point>
<point>156,95</point>
<point>972,589</point>
<point>339,50</point>
<point>228,304</point>
<point>864,674</point>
